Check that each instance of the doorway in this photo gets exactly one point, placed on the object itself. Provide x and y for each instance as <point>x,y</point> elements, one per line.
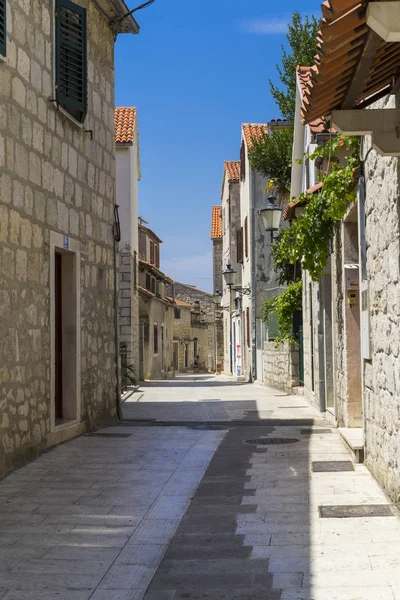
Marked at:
<point>186,356</point>
<point>65,326</point>
<point>176,356</point>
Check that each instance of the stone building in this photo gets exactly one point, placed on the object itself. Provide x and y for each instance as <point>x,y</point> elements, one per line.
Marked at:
<point>191,338</point>
<point>203,324</point>
<point>128,175</point>
<point>363,270</point>
<point>156,310</point>
<point>255,279</point>
<point>217,238</point>
<point>57,197</point>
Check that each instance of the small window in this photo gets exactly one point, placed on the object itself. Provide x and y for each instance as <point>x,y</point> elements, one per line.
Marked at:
<point>153,285</point>
<point>239,245</point>
<point>151,252</point>
<point>3,27</point>
<point>246,238</point>
<point>177,313</point>
<point>148,281</point>
<point>242,162</point>
<point>157,255</point>
<point>71,58</point>
<point>155,339</point>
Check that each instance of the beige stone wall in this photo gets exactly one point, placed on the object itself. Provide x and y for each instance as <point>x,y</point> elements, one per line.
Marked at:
<point>281,366</point>
<point>154,311</point>
<point>53,177</point>
<point>382,373</point>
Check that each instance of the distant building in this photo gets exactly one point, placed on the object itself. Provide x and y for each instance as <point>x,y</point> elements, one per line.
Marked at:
<point>128,175</point>
<point>156,310</point>
<point>217,242</point>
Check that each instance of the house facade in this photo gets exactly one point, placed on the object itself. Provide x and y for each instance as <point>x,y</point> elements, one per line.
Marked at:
<point>127,163</point>
<point>248,247</point>
<point>217,251</point>
<point>360,288</point>
<point>203,327</point>
<point>57,197</point>
<point>156,310</point>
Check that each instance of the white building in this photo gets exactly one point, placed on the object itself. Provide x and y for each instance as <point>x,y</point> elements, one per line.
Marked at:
<point>246,248</point>
<point>128,175</point>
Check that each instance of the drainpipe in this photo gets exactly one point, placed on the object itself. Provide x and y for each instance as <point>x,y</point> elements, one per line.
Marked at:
<point>117,238</point>
<point>253,374</point>
<point>321,350</point>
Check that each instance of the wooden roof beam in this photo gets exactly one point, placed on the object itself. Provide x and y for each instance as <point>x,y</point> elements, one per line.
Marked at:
<point>367,58</point>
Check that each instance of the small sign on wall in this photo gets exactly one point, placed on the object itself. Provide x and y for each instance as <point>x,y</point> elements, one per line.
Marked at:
<point>66,242</point>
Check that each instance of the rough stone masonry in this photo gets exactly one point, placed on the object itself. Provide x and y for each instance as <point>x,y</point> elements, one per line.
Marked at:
<point>53,178</point>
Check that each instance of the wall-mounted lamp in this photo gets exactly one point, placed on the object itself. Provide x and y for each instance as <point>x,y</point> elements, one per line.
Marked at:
<point>271,215</point>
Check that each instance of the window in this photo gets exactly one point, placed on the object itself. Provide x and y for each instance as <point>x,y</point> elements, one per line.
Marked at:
<point>246,238</point>
<point>155,339</point>
<point>153,285</point>
<point>157,255</point>
<point>151,252</point>
<point>71,58</point>
<point>148,281</point>
<point>3,28</point>
<point>242,162</point>
<point>239,245</point>
<point>177,313</point>
<point>135,270</point>
<point>248,326</point>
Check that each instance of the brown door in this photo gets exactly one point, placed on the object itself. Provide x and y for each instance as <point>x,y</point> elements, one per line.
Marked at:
<point>58,392</point>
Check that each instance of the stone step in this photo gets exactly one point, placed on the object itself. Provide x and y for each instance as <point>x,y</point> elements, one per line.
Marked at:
<point>353,439</point>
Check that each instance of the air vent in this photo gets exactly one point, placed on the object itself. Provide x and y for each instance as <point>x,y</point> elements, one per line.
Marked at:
<point>270,441</point>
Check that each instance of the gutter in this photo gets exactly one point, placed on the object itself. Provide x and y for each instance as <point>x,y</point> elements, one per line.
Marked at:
<point>253,374</point>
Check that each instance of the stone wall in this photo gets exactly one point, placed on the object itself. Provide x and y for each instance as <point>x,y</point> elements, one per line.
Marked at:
<point>281,366</point>
<point>217,265</point>
<point>53,177</point>
<point>382,373</point>
<point>193,295</point>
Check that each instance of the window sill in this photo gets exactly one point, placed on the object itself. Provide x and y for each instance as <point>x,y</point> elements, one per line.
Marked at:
<point>65,113</point>
<point>3,59</point>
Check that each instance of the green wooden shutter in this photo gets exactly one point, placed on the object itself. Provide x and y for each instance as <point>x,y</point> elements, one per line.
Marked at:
<point>71,58</point>
<point>3,32</point>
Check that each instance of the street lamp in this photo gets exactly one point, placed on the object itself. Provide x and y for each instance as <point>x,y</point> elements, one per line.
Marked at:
<point>229,275</point>
<point>271,215</point>
<point>217,298</point>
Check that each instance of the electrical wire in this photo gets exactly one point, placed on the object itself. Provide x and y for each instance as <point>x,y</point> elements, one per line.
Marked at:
<point>144,5</point>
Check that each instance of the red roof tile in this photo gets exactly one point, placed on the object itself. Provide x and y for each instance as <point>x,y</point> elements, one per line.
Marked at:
<point>124,124</point>
<point>232,169</point>
<point>288,213</point>
<point>304,77</point>
<point>253,131</point>
<point>216,222</point>
<point>342,40</point>
<point>181,303</point>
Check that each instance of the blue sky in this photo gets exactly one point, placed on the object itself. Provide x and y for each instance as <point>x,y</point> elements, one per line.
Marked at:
<point>196,71</point>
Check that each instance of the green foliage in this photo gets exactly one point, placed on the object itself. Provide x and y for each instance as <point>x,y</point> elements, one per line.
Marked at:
<point>307,240</point>
<point>287,272</point>
<point>271,155</point>
<point>302,39</point>
<point>284,306</point>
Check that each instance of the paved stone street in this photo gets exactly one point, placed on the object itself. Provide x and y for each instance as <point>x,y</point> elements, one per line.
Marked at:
<point>173,512</point>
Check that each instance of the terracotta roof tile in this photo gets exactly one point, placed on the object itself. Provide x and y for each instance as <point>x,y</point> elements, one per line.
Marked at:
<point>304,77</point>
<point>288,213</point>
<point>216,222</point>
<point>124,124</point>
<point>341,43</point>
<point>232,169</point>
<point>253,131</point>
<point>181,303</point>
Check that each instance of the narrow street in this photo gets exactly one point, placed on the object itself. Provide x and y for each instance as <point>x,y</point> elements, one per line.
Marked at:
<point>195,497</point>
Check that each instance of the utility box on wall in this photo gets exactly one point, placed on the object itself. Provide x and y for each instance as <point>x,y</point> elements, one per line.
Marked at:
<point>352,284</point>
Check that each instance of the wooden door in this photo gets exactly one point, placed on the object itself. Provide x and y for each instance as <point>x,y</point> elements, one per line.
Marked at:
<point>58,391</point>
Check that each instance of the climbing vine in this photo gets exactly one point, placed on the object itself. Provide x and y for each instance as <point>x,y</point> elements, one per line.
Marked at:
<point>307,241</point>
<point>284,306</point>
<point>305,245</point>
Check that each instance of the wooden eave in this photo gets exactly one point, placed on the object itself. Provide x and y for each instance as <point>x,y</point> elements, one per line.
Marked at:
<point>350,64</point>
